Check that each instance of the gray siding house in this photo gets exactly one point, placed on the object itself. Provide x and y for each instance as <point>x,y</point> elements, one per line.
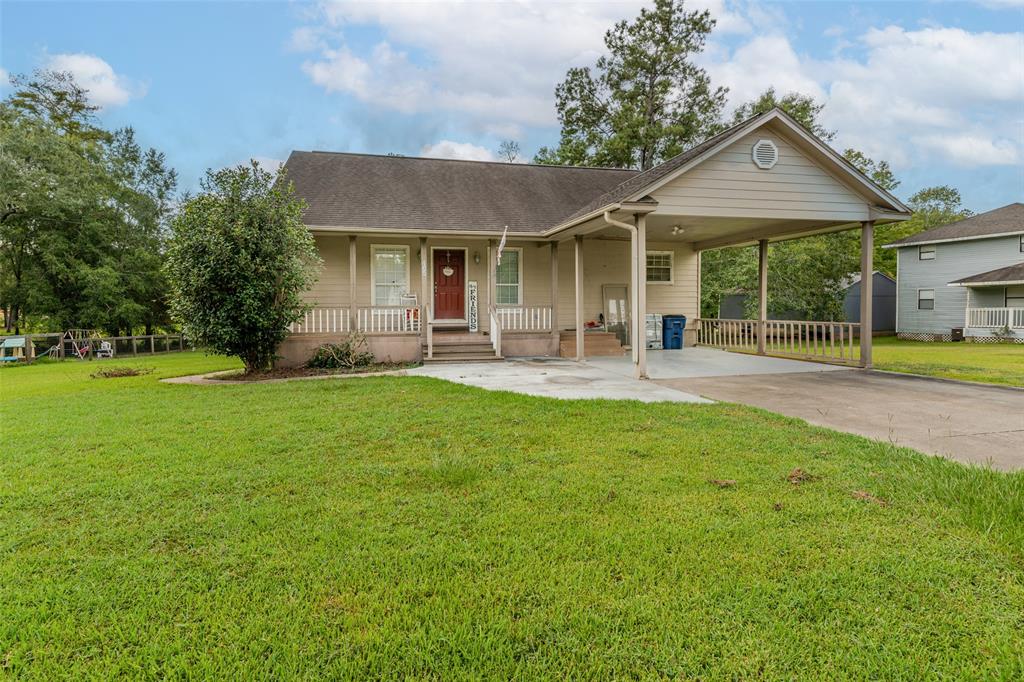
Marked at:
<point>965,275</point>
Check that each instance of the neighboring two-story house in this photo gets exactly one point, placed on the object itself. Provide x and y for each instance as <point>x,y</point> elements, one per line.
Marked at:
<point>966,275</point>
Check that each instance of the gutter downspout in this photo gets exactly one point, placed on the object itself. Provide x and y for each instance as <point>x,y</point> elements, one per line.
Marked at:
<point>637,335</point>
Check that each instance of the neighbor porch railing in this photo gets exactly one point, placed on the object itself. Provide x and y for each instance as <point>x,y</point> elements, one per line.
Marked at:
<point>828,341</point>
<point>370,320</point>
<point>995,318</point>
<point>525,319</point>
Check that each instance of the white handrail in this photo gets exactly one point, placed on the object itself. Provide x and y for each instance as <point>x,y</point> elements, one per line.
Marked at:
<point>429,315</point>
<point>495,331</point>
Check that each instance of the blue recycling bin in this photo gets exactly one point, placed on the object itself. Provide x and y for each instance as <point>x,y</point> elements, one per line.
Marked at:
<point>672,327</point>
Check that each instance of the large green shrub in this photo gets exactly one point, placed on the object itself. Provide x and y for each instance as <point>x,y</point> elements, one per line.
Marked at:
<point>239,260</point>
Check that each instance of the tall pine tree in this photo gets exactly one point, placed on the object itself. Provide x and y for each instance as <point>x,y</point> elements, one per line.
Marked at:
<point>645,100</point>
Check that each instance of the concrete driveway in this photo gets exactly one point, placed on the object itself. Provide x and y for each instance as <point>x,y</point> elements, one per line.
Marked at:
<point>965,422</point>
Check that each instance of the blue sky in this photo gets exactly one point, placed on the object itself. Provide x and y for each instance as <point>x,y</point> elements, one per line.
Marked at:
<point>935,88</point>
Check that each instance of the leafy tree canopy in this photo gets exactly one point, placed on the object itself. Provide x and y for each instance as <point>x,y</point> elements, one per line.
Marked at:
<point>239,261</point>
<point>803,108</point>
<point>645,100</point>
<point>83,217</point>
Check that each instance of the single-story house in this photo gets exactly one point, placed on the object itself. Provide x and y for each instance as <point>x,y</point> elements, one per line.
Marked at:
<point>966,276</point>
<point>432,258</point>
<point>734,306</point>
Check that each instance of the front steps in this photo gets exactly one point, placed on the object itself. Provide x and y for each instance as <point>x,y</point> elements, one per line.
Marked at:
<point>460,346</point>
<point>594,344</point>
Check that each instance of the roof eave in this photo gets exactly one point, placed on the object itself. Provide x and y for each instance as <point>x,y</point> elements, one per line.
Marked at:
<point>901,244</point>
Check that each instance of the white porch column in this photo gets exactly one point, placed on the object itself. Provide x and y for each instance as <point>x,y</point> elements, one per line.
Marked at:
<point>492,279</point>
<point>426,298</point>
<point>762,294</point>
<point>554,295</point>
<point>867,268</point>
<point>637,332</point>
<point>353,294</point>
<point>578,261</point>
<point>640,266</point>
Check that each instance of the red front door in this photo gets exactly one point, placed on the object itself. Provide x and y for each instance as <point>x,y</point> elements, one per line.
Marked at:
<point>449,284</point>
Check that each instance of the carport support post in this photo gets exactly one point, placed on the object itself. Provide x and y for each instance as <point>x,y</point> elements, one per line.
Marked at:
<point>762,294</point>
<point>353,309</point>
<point>640,341</point>
<point>554,295</point>
<point>578,273</point>
<point>867,269</point>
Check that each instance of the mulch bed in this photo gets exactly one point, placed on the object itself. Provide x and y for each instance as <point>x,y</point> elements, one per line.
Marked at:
<point>295,372</point>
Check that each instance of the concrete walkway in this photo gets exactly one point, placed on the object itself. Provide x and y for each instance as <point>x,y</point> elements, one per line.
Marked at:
<point>965,422</point>
<point>556,378</point>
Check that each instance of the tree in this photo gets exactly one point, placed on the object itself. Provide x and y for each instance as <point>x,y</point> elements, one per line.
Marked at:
<point>645,100</point>
<point>238,261</point>
<point>803,108</point>
<point>509,150</point>
<point>878,171</point>
<point>932,206</point>
<point>84,215</point>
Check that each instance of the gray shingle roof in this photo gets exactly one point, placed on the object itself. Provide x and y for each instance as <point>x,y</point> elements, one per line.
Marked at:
<point>1007,219</point>
<point>412,193</point>
<point>1011,273</point>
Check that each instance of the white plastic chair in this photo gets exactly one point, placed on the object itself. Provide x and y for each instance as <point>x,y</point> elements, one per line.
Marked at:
<point>106,350</point>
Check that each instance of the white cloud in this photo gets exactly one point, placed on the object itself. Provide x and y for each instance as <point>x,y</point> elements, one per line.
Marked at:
<point>105,88</point>
<point>908,96</point>
<point>447,149</point>
<point>934,94</point>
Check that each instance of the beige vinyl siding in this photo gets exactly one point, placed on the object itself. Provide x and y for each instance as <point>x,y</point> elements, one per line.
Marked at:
<point>730,184</point>
<point>331,289</point>
<point>606,261</point>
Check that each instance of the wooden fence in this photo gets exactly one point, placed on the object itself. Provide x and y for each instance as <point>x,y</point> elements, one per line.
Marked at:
<point>58,347</point>
<point>827,341</point>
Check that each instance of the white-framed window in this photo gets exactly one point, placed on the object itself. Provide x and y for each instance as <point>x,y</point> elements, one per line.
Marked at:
<point>1013,296</point>
<point>659,267</point>
<point>389,266</point>
<point>508,289</point>
<point>926,299</point>
<point>926,252</point>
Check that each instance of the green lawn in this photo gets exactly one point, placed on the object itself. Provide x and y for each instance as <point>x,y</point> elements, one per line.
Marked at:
<point>393,527</point>
<point>1001,363</point>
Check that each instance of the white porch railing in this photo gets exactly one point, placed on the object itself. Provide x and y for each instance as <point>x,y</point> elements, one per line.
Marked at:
<point>522,319</point>
<point>389,320</point>
<point>995,318</point>
<point>830,341</point>
<point>323,321</point>
<point>372,320</point>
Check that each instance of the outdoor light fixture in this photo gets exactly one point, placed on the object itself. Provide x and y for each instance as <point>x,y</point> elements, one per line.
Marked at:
<point>677,230</point>
<point>476,257</point>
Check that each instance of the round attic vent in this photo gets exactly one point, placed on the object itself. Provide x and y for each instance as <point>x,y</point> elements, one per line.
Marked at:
<point>765,154</point>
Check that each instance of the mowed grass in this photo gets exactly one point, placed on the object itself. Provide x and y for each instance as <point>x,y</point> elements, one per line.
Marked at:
<point>994,363</point>
<point>395,527</point>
